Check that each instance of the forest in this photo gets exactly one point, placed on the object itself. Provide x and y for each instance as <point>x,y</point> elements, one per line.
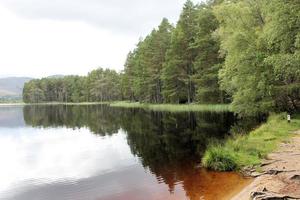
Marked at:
<point>243,52</point>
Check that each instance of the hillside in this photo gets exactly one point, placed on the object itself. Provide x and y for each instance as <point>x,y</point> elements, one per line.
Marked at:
<point>12,86</point>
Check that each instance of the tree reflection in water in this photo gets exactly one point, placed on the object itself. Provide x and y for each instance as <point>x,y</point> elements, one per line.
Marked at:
<point>169,145</point>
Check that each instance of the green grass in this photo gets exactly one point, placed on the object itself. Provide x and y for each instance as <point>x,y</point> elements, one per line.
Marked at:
<point>173,107</point>
<point>155,107</point>
<point>248,150</point>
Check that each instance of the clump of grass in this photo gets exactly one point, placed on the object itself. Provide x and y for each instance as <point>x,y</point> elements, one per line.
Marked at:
<point>174,107</point>
<point>249,150</point>
<point>126,104</point>
<point>219,159</point>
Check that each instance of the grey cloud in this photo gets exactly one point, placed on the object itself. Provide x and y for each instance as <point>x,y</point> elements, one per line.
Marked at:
<point>116,15</point>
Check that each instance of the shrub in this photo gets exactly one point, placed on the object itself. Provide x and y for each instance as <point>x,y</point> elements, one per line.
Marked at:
<point>218,159</point>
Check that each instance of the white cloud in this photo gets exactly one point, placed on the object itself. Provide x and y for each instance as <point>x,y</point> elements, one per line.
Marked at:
<point>118,15</point>
<point>44,37</point>
<point>45,47</point>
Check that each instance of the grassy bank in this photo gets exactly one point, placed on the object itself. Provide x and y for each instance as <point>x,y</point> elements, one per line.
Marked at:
<point>174,107</point>
<point>155,107</point>
<point>249,150</point>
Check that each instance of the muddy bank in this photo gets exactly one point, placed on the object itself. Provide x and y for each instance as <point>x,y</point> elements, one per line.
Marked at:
<point>279,175</point>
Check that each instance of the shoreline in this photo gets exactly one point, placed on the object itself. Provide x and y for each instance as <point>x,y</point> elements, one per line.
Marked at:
<point>244,150</point>
<point>279,176</point>
<point>146,106</point>
<point>270,154</point>
<point>173,107</point>
<point>53,103</point>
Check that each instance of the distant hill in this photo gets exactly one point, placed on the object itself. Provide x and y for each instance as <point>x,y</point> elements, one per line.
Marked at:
<point>56,76</point>
<point>12,86</point>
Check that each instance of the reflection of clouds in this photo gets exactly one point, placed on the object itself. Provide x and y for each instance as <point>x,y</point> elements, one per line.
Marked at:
<point>128,183</point>
<point>11,116</point>
<point>50,155</point>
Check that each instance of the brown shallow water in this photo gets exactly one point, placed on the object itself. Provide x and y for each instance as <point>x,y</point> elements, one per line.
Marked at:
<point>197,186</point>
<point>100,153</point>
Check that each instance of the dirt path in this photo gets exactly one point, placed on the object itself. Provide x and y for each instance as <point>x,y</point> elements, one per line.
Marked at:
<point>279,177</point>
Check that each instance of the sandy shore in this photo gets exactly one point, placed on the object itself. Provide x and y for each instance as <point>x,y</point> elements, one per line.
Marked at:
<point>279,176</point>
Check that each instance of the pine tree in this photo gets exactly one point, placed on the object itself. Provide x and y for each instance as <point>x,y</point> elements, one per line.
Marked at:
<point>179,69</point>
<point>208,61</point>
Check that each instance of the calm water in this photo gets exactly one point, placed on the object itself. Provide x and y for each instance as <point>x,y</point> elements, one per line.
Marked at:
<point>103,153</point>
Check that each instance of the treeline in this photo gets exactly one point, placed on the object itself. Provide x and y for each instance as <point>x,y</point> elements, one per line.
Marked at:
<point>99,85</point>
<point>245,51</point>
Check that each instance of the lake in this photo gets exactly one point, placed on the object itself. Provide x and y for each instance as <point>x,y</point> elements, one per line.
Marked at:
<point>95,152</point>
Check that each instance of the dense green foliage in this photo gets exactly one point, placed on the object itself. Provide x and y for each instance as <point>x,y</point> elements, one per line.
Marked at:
<point>191,67</point>
<point>248,150</point>
<point>245,51</point>
<point>260,40</point>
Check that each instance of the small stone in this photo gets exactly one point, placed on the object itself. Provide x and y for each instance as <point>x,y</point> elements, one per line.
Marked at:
<point>295,177</point>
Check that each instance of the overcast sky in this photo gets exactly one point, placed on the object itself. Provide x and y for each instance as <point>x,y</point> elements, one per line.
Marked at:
<point>39,38</point>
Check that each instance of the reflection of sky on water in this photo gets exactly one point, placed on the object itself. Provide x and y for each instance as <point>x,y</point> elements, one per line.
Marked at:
<point>43,156</point>
<point>63,162</point>
<point>11,116</point>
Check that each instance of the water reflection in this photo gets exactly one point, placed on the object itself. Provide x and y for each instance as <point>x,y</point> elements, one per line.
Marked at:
<point>132,154</point>
<point>31,157</point>
<point>165,143</point>
<point>11,117</point>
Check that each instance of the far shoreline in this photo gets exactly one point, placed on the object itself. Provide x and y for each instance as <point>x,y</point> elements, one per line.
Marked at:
<point>146,106</point>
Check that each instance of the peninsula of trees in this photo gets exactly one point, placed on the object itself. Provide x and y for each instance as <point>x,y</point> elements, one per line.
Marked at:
<point>244,52</point>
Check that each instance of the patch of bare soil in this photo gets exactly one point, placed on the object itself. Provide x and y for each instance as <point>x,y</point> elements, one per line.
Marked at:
<point>279,177</point>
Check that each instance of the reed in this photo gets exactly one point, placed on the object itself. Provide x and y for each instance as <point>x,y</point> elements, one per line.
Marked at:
<point>174,107</point>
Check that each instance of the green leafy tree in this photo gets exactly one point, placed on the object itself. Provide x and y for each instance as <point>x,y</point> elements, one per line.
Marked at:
<point>259,40</point>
